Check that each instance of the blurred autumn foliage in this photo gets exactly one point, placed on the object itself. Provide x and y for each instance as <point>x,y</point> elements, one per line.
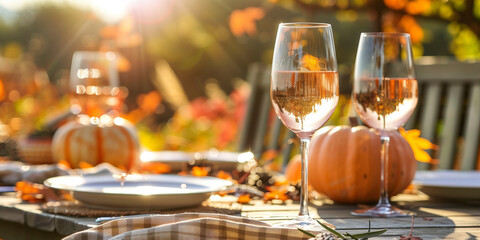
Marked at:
<point>461,17</point>
<point>209,46</point>
<point>206,122</point>
<point>243,21</point>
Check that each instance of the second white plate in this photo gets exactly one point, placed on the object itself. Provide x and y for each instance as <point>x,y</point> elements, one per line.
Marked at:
<point>450,184</point>
<point>220,160</point>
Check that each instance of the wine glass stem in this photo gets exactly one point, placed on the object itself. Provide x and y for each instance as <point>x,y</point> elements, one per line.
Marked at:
<point>304,146</point>
<point>385,140</point>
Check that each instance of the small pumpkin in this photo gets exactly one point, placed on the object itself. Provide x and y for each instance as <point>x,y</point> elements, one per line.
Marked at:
<point>344,164</point>
<point>116,144</point>
<point>293,170</point>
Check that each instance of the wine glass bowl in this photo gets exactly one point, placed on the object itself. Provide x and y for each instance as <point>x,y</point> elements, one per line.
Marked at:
<point>385,104</point>
<point>94,84</point>
<point>305,105</point>
<point>385,95</point>
<point>304,91</point>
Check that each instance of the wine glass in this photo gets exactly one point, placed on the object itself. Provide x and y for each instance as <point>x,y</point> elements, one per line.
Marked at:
<point>385,95</point>
<point>304,90</point>
<point>94,84</point>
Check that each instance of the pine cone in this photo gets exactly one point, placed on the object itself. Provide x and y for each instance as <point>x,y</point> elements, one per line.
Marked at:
<point>9,149</point>
<point>261,179</point>
<point>325,235</point>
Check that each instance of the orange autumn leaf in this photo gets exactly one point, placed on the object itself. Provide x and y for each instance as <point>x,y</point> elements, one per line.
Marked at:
<point>413,132</point>
<point>135,115</point>
<point>149,102</point>
<point>270,154</point>
<point>224,175</point>
<point>243,21</point>
<point>418,145</point>
<point>34,193</point>
<point>26,187</point>
<point>395,4</point>
<point>200,171</point>
<point>273,194</point>
<point>67,196</point>
<point>414,7</point>
<point>418,6</point>
<point>156,167</point>
<point>284,182</point>
<point>244,198</point>
<point>65,164</point>
<point>225,193</point>
<point>84,165</point>
<point>410,25</point>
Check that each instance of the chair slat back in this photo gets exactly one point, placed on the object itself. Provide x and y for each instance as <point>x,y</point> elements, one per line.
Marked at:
<point>254,76</point>
<point>451,126</point>
<point>262,122</point>
<point>448,112</point>
<point>472,130</point>
<point>261,130</point>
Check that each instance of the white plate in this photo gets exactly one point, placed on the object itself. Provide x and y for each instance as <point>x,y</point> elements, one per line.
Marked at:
<point>140,191</point>
<point>221,160</point>
<point>450,184</point>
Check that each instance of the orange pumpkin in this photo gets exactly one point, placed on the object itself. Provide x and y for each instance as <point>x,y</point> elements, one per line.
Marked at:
<point>116,144</point>
<point>344,164</point>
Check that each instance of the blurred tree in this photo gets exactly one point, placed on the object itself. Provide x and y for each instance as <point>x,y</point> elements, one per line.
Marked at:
<point>215,41</point>
<point>50,33</point>
<point>6,32</point>
<point>194,37</point>
<point>461,16</point>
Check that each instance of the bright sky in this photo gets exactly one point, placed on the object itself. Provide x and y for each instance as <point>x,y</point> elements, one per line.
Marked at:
<point>109,10</point>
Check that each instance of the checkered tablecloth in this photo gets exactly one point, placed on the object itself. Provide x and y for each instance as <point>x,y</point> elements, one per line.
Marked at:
<point>187,226</point>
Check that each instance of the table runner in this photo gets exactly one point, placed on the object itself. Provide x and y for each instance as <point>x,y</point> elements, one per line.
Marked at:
<point>187,226</point>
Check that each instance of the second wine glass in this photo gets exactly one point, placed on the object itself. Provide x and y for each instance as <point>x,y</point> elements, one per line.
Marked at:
<point>385,95</point>
<point>304,90</point>
<point>94,83</point>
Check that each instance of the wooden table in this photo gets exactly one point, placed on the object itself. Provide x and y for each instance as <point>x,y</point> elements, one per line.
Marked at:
<point>435,219</point>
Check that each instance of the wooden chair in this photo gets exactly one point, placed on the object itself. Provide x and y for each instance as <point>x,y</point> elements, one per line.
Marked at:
<point>261,129</point>
<point>448,112</point>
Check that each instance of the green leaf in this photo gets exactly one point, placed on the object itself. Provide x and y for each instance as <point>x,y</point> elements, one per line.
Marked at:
<point>351,236</point>
<point>332,231</point>
<point>370,234</point>
<point>306,233</point>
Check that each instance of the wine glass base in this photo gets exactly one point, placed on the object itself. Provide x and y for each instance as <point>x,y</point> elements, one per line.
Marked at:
<point>302,222</point>
<point>383,211</point>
